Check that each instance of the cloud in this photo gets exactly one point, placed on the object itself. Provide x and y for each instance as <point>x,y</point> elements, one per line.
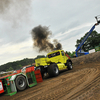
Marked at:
<point>72,32</point>
<point>11,52</point>
<point>15,48</point>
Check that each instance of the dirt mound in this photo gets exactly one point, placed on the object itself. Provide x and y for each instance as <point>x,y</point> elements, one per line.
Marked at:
<point>93,57</point>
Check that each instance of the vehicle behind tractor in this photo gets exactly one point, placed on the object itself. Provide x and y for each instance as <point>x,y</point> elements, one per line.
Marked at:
<point>19,80</point>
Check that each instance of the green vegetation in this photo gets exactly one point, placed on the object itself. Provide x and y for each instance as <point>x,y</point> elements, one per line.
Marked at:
<point>18,64</point>
<point>71,54</point>
<point>92,41</point>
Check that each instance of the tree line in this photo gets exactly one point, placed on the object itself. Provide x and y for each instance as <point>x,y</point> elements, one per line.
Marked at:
<point>18,64</point>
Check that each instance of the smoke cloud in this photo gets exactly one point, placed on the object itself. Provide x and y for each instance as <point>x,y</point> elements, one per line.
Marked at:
<point>14,11</point>
<point>4,5</point>
<point>41,37</point>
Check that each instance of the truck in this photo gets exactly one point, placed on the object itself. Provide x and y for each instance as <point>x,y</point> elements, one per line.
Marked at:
<point>19,80</point>
<point>78,50</point>
<point>53,63</point>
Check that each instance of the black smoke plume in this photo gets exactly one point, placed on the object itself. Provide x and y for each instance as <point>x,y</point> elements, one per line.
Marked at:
<point>41,38</point>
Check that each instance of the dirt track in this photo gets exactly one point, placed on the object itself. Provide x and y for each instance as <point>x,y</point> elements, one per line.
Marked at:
<point>81,83</point>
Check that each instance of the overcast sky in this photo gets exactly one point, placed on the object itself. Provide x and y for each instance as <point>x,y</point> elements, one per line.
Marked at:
<point>68,20</point>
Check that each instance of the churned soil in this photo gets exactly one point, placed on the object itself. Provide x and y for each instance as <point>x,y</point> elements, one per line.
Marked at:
<point>80,83</point>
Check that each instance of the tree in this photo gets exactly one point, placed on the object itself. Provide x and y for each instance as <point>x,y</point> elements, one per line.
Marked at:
<point>10,68</point>
<point>16,64</point>
<point>19,66</point>
<point>92,41</point>
<point>71,54</point>
<point>7,70</point>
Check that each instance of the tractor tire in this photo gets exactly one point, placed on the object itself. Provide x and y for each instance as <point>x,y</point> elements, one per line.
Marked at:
<point>53,70</point>
<point>42,71</point>
<point>69,65</point>
<point>20,82</point>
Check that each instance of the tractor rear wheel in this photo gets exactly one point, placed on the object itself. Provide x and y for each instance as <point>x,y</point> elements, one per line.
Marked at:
<point>53,70</point>
<point>42,71</point>
<point>20,82</point>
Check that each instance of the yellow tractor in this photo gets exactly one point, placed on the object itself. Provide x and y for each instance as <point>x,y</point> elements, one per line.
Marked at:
<point>53,63</point>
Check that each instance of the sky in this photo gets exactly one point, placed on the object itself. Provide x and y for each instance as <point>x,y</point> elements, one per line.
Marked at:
<point>68,20</point>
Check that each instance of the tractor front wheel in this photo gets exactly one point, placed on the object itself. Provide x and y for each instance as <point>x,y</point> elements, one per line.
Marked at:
<point>69,65</point>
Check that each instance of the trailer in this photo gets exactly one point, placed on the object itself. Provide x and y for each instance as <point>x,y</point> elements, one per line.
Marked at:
<point>19,80</point>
